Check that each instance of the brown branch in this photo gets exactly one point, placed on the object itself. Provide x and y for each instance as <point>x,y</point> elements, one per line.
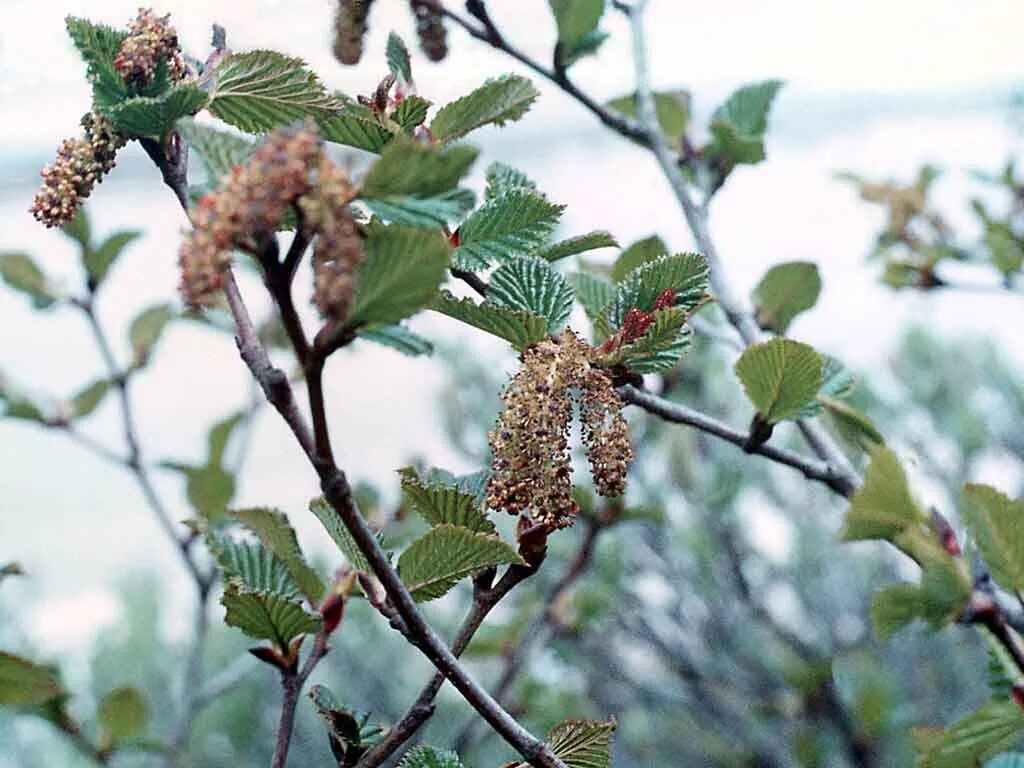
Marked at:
<point>292,683</point>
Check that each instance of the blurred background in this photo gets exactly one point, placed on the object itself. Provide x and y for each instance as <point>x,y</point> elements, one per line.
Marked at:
<point>726,626</point>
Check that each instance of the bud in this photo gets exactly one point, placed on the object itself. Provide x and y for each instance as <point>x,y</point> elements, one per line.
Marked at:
<point>349,30</point>
<point>430,29</point>
<point>151,39</point>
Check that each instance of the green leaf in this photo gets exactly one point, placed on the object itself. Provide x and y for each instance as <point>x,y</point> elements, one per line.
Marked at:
<point>258,91</point>
<point>659,348</point>
<point>996,522</point>
<point>356,126</point>
<point>400,338</point>
<point>639,253</point>
<point>593,291</point>
<point>88,398</point>
<point>521,329</point>
<point>398,58</point>
<point>853,424</point>
<point>123,714</point>
<point>219,150</point>
<point>209,489</point>
<point>780,377</point>
<point>439,503</point>
<point>672,107</point>
<point>99,45</point>
<point>428,757</point>
<point>684,273</point>
<point>423,212</point>
<point>980,735</point>
<point>276,533</point>
<point>508,225</point>
<point>530,284</point>
<point>882,507</point>
<point>20,272</point>
<point>445,555</point>
<point>253,565</point>
<point>739,124</point>
<point>503,178</point>
<point>97,261</point>
<point>893,607</point>
<point>577,22</point>
<point>146,330</point>
<point>266,616</point>
<point>784,292</point>
<point>400,273</point>
<point>411,112</point>
<point>219,435</point>
<point>583,743</point>
<point>79,229</point>
<point>24,683</point>
<point>156,116</point>
<point>575,245</point>
<point>408,167</point>
<point>837,381</point>
<point>497,101</point>
<point>332,521</point>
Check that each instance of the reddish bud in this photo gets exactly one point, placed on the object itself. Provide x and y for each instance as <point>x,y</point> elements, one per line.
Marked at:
<point>332,610</point>
<point>665,300</point>
<point>269,656</point>
<point>1017,691</point>
<point>454,239</point>
<point>635,324</point>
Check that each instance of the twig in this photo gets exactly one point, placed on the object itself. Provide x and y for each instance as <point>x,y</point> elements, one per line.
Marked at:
<point>292,682</point>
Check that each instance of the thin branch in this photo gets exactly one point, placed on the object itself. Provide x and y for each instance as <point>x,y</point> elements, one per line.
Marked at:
<point>292,682</point>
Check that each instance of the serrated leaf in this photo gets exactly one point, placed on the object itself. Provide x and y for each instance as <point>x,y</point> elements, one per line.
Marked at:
<point>98,46</point>
<point>155,116</point>
<point>330,519</point>
<point>684,273</point>
<point>837,381</point>
<point>146,329</point>
<point>636,255</point>
<point>253,565</point>
<point>398,58</point>
<point>356,126</point>
<point>97,261</point>
<point>575,245</point>
<point>882,507</point>
<point>784,292</point>
<point>738,125</point>
<point>445,555</point>
<point>659,348</point>
<point>440,503</point>
<point>20,272</point>
<point>672,107</point>
<point>123,714</point>
<point>411,112</point>
<point>276,533</point>
<point>780,377</point>
<point>503,178</point>
<point>219,150</point>
<point>497,101</point>
<point>408,167</point>
<point>87,400</point>
<point>423,212</point>
<point>583,743</point>
<point>893,607</point>
<point>508,225</point>
<point>428,757</point>
<point>258,91</point>
<point>996,523</point>
<point>400,274</point>
<point>521,329</point>
<point>24,683</point>
<point>266,616</point>
<point>400,338</point>
<point>593,291</point>
<point>530,284</point>
<point>980,735</point>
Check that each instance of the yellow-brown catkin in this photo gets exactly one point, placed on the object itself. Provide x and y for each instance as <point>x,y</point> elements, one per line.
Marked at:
<point>248,204</point>
<point>338,250</point>
<point>430,29</point>
<point>531,472</point>
<point>350,29</point>
<point>151,39</point>
<point>81,163</point>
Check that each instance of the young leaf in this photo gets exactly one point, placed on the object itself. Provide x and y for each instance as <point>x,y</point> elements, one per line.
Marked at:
<point>99,260</point>
<point>146,329</point>
<point>258,91</point>
<point>739,124</point>
<point>24,683</point>
<point>155,116</point>
<point>685,273</point>
<point>996,523</point>
<point>440,503</point>
<point>400,338</point>
<point>356,126</point>
<point>502,178</point>
<point>401,271</point>
<point>99,45</point>
<point>411,112</point>
<point>982,734</point>
<point>583,743</point>
<point>837,381</point>
<point>784,292</point>
<point>497,101</point>
<point>423,212</point>
<point>398,58</point>
<point>88,398</point>
<point>575,245</point>
<point>519,328</point>
<point>639,253</point>
<point>780,377</point>
<point>659,348</point>
<point>512,224</point>
<point>593,291</point>
<point>219,435</point>
<point>445,555</point>
<point>123,714</point>
<point>20,272</point>
<point>672,107</point>
<point>428,757</point>
<point>882,507</point>
<point>577,22</point>
<point>219,150</point>
<point>530,284</point>
<point>266,616</point>
<point>893,607</point>
<point>79,229</point>
<point>330,519</point>
<point>253,565</point>
<point>852,424</point>
<point>276,533</point>
<point>408,167</point>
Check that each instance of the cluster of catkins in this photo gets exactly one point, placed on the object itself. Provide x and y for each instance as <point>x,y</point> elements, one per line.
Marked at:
<point>531,470</point>
<point>288,169</point>
<point>83,161</point>
<point>350,24</point>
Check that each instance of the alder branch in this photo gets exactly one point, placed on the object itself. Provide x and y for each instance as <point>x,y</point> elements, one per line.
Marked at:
<point>292,683</point>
